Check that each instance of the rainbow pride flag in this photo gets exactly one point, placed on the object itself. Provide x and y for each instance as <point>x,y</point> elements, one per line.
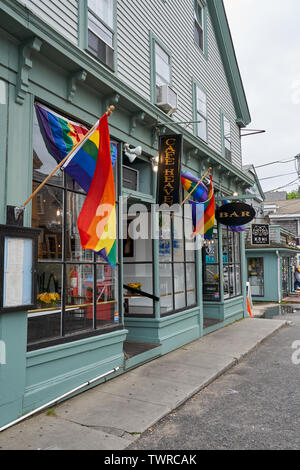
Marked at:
<point>209,212</point>
<point>61,135</point>
<point>97,219</point>
<point>189,182</point>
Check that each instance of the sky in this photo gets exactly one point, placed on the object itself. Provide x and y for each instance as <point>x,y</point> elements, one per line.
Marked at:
<point>266,37</point>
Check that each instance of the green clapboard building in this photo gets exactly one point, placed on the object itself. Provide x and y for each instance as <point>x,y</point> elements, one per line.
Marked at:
<point>168,67</point>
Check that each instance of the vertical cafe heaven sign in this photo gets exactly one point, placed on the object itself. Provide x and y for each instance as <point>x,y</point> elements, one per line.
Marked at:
<point>169,170</point>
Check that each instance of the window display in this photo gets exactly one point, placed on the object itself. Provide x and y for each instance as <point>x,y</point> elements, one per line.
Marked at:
<point>77,290</point>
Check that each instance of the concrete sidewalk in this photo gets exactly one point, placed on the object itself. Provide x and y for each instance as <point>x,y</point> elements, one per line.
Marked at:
<point>112,415</point>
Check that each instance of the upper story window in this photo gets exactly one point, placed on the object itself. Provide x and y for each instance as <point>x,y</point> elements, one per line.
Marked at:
<point>162,66</point>
<point>227,138</point>
<point>201,113</point>
<point>199,24</point>
<point>101,30</point>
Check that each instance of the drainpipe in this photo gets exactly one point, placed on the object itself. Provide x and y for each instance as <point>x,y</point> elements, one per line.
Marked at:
<point>278,277</point>
<point>53,402</point>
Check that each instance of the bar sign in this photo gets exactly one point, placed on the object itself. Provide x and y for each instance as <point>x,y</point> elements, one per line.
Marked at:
<point>169,169</point>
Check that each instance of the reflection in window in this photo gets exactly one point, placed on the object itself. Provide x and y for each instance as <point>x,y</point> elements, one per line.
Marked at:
<point>69,299</point>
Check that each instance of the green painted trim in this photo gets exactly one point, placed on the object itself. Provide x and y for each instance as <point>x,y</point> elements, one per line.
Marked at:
<point>225,43</point>
<point>205,28</point>
<point>82,24</point>
<point>152,40</point>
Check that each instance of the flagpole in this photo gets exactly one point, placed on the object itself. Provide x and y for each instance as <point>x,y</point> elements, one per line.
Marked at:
<point>79,144</point>
<point>200,181</point>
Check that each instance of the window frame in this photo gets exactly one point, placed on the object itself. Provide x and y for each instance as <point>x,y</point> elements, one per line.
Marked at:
<point>184,262</point>
<point>153,41</point>
<point>203,27</point>
<point>196,111</point>
<point>224,117</point>
<point>234,263</point>
<point>83,29</point>
<point>64,261</point>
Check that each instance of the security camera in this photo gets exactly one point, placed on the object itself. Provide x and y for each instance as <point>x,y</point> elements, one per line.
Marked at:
<point>131,154</point>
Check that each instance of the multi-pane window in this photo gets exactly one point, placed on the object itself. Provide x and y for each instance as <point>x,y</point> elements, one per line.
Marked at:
<point>211,268</point>
<point>77,289</point>
<point>201,113</point>
<point>256,276</point>
<point>177,267</point>
<point>227,138</point>
<point>199,24</point>
<point>101,30</point>
<point>231,263</point>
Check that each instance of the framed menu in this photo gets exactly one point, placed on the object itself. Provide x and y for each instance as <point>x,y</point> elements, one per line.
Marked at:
<point>18,262</point>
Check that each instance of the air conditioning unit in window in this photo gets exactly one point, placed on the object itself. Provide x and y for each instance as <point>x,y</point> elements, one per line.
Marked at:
<point>166,98</point>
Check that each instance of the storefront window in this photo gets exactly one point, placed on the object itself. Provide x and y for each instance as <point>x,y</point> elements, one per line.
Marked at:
<point>210,263</point>
<point>256,276</point>
<point>77,290</point>
<point>177,268</point>
<point>231,263</point>
<point>138,264</point>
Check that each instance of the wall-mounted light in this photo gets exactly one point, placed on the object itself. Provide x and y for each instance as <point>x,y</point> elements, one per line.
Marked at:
<point>154,161</point>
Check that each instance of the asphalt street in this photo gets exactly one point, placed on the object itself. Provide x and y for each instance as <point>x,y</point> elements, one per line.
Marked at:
<point>255,405</point>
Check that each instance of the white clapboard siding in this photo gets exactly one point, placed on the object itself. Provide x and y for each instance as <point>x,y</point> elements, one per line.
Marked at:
<point>60,14</point>
<point>173,24</point>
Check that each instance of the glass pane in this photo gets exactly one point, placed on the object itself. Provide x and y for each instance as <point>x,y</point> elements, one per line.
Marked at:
<point>100,30</point>
<point>191,283</point>
<point>179,285</point>
<point>103,9</point>
<point>211,283</point>
<point>256,276</point>
<point>199,35</point>
<point>166,288</point>
<point>229,281</point>
<point>107,310</point>
<point>43,162</point>
<point>202,127</point>
<point>191,245</point>
<point>238,287</point>
<point>44,323</point>
<point>137,246</point>
<point>74,252</point>
<point>139,276</point>
<point>178,241</point>
<point>47,215</point>
<point>162,66</point>
<point>79,302</point>
<point>165,237</point>
<point>227,130</point>
<point>201,102</point>
<point>236,248</point>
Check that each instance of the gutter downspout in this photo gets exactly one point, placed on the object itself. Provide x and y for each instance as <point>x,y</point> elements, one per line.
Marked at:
<point>278,277</point>
<point>58,399</point>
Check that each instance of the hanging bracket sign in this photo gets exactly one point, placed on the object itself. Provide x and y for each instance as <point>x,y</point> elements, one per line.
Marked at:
<point>169,169</point>
<point>235,214</point>
<point>260,234</point>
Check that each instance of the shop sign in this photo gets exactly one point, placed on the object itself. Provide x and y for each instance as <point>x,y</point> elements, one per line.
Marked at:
<point>260,234</point>
<point>235,214</point>
<point>169,169</point>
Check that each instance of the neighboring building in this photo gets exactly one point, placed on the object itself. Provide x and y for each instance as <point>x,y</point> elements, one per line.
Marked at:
<point>257,194</point>
<point>163,64</point>
<point>285,213</point>
<point>271,266</point>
